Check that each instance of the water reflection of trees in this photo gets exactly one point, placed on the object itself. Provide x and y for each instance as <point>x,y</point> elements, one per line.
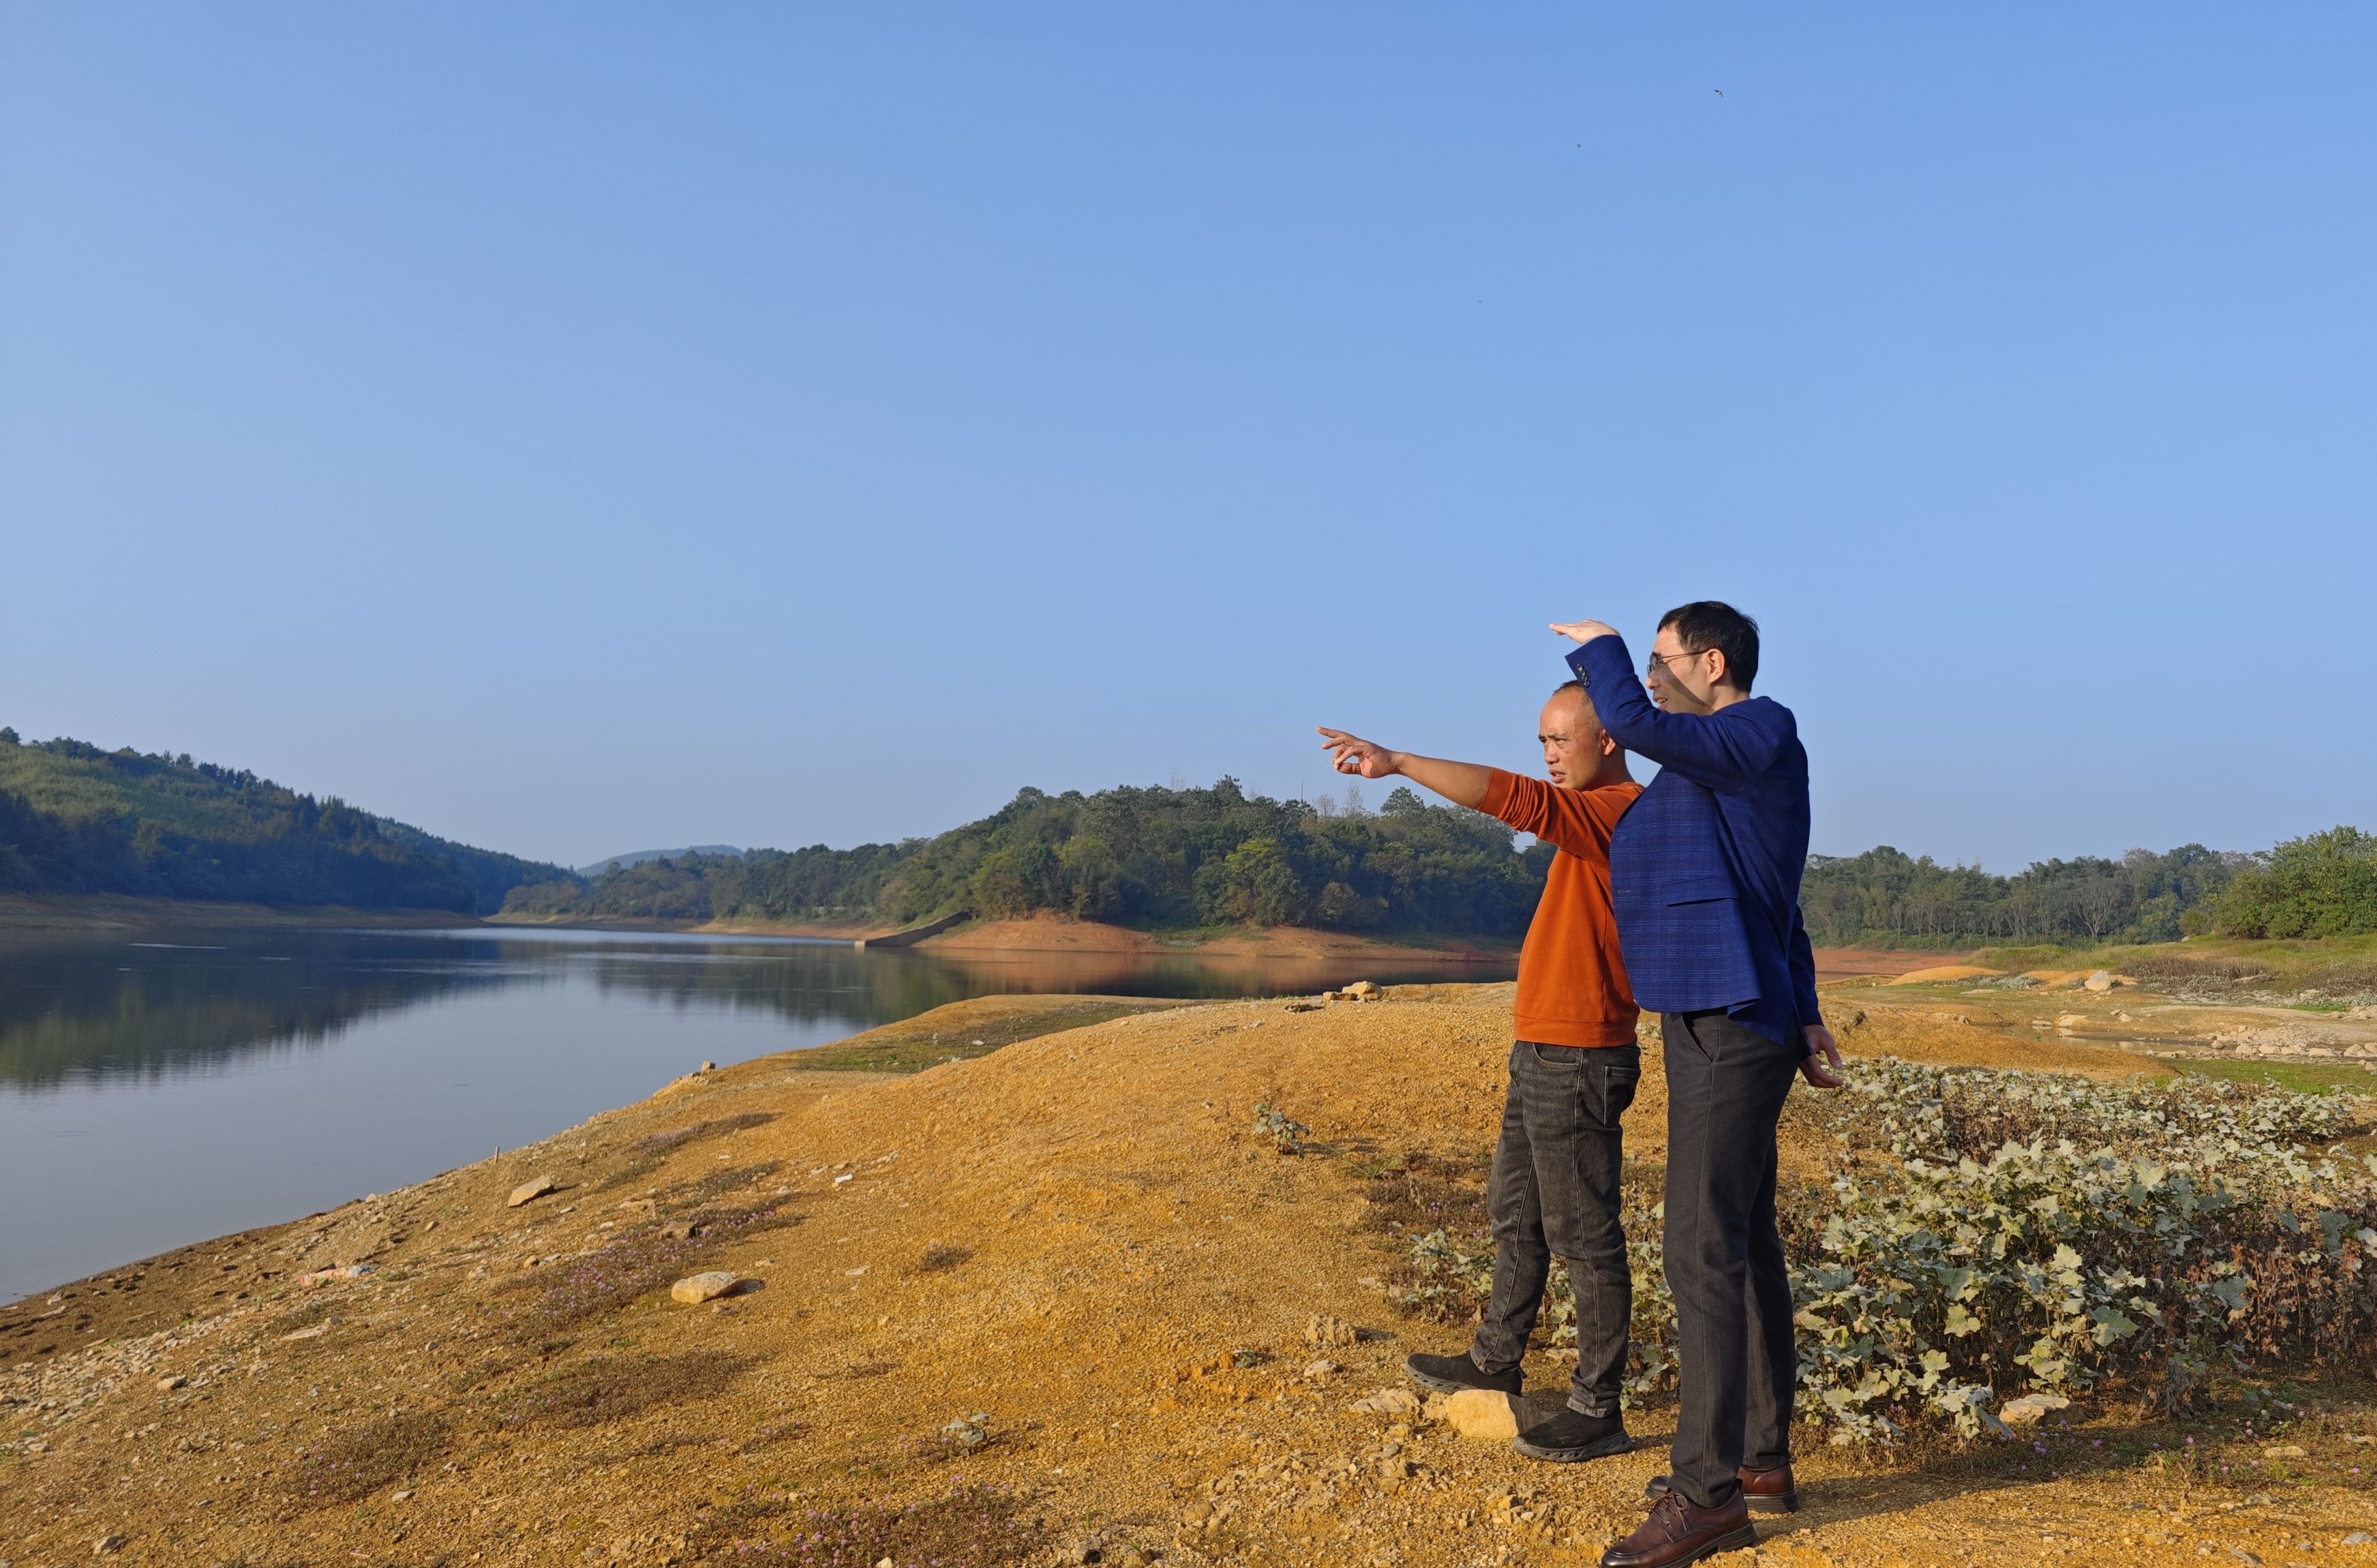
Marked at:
<point>79,1008</point>
<point>89,1009</point>
<point>867,989</point>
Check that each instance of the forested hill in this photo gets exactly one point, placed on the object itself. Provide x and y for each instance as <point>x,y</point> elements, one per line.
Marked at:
<point>1163,857</point>
<point>1185,857</point>
<point>77,820</point>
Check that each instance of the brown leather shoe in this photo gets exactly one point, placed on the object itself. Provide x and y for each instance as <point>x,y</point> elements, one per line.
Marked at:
<point>1676,1532</point>
<point>1769,1491</point>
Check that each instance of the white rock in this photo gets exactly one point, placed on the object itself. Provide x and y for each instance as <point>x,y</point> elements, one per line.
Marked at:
<point>108,1546</point>
<point>1483,1415</point>
<point>530,1191</point>
<point>1322,1369</point>
<point>1388,1402</point>
<point>2102,980</point>
<point>701,1288</point>
<point>2022,1412</point>
<point>172,1381</point>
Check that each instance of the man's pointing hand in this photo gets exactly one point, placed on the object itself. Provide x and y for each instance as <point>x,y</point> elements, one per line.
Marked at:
<point>1352,754</point>
<point>1584,631</point>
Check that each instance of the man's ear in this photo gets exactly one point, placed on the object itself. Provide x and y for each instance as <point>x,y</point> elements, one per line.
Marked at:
<point>1719,667</point>
<point>1608,744</point>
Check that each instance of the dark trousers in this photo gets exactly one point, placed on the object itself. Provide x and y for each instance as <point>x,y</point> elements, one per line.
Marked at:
<point>1554,1193</point>
<point>1725,1088</point>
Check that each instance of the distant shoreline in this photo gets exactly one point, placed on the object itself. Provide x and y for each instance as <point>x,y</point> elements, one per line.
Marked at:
<point>67,914</point>
<point>1060,934</point>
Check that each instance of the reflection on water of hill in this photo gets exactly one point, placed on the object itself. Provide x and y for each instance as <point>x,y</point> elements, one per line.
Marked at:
<point>84,1009</point>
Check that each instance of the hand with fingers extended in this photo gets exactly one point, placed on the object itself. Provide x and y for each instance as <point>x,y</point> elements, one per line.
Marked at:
<point>1821,1066</point>
<point>1585,631</point>
<point>1352,754</point>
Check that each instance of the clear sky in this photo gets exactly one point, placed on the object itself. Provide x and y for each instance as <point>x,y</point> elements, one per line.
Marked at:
<point>576,428</point>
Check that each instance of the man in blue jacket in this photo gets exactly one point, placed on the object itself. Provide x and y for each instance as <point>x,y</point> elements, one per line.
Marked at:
<point>1704,876</point>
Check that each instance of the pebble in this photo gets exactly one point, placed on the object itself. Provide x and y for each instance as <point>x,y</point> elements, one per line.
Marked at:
<point>1482,1415</point>
<point>1322,1369</point>
<point>2031,1406</point>
<point>697,1289</point>
<point>2284,1451</point>
<point>405,1496</point>
<point>1324,1332</point>
<point>529,1190</point>
<point>108,1546</point>
<point>2359,1538</point>
<point>172,1381</point>
<point>1388,1402</point>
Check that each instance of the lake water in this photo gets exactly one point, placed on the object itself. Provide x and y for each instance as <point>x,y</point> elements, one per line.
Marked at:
<point>160,1088</point>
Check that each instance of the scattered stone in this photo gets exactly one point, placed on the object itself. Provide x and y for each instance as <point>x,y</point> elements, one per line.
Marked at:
<point>1322,1369</point>
<point>2022,1412</point>
<point>530,1191</point>
<point>171,1381</point>
<point>2102,980</point>
<point>697,1289</point>
<point>2359,1538</point>
<point>404,1496</point>
<point>1388,1402</point>
<point>1326,1333</point>
<point>1362,990</point>
<point>108,1546</point>
<point>1303,1007</point>
<point>316,1332</point>
<point>1482,1415</point>
<point>709,1067</point>
<point>2284,1451</point>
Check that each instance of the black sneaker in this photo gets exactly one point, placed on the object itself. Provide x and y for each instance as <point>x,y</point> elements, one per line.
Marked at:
<point>1572,1435</point>
<point>1451,1374</point>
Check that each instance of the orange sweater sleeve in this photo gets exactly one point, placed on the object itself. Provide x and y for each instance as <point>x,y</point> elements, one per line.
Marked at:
<point>1577,820</point>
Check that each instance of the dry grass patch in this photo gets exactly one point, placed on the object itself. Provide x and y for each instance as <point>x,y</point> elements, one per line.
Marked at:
<point>969,1526</point>
<point>353,1465</point>
<point>603,1389</point>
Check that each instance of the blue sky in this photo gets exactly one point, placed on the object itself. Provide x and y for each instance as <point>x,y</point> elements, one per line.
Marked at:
<point>578,428</point>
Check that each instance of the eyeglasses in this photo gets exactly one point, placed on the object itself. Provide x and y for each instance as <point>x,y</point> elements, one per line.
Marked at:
<point>1651,665</point>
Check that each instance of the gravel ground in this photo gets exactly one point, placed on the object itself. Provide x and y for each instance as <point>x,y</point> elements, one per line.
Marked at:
<point>1066,1284</point>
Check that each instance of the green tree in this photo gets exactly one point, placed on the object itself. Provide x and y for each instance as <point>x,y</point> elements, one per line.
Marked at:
<point>2321,885</point>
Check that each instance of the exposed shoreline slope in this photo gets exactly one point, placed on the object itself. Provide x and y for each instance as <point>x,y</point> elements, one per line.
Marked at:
<point>1072,1269</point>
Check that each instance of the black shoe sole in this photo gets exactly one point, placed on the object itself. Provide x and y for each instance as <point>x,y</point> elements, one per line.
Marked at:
<point>1616,1442</point>
<point>1732,1541</point>
<point>1447,1386</point>
<point>1786,1503</point>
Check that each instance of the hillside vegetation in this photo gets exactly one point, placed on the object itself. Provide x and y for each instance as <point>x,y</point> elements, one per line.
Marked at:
<point>1169,857</point>
<point>77,820</point>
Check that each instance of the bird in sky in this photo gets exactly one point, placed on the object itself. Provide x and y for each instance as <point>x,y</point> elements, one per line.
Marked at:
<point>1718,90</point>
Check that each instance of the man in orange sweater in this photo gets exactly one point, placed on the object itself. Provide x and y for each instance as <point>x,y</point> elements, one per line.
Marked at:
<point>1574,1072</point>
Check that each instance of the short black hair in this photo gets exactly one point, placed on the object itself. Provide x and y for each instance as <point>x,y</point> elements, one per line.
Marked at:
<point>1708,623</point>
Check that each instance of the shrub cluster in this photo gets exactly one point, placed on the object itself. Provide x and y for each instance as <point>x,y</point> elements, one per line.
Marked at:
<point>1992,1232</point>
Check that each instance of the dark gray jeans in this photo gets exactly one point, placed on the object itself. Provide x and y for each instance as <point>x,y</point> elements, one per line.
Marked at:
<point>1725,1088</point>
<point>1554,1193</point>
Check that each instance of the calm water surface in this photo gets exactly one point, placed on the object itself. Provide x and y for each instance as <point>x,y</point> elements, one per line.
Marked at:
<point>159,1089</point>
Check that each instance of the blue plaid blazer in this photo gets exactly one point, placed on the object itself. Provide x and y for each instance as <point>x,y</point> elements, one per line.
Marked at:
<point>1704,868</point>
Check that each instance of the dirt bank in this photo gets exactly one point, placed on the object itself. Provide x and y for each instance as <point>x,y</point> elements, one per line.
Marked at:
<point>1071,1269</point>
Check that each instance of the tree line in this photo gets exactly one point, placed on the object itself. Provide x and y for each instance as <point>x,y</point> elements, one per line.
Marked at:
<point>1129,856</point>
<point>1217,856</point>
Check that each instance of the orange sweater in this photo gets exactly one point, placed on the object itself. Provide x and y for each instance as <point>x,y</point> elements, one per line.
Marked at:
<point>1573,988</point>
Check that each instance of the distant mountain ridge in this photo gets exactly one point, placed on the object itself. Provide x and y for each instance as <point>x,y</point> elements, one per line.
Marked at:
<point>77,820</point>
<point>639,856</point>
